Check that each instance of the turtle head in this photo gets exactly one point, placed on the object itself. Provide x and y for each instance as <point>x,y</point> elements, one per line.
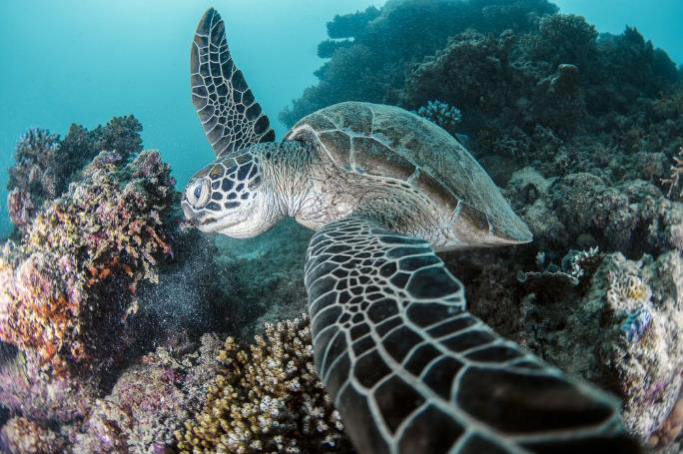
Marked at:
<point>228,197</point>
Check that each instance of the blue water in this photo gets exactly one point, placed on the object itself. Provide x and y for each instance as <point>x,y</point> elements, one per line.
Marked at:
<point>85,61</point>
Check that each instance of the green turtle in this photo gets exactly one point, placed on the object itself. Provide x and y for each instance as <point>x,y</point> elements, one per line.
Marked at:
<point>408,368</point>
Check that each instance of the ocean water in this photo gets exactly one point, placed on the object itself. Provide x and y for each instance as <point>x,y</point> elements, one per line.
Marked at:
<point>114,340</point>
<point>84,62</point>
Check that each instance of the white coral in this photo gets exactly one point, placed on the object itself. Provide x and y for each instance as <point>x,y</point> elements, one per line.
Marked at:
<point>674,182</point>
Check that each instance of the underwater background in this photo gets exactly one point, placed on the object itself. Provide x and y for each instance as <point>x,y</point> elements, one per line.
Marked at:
<point>123,329</point>
<point>85,62</point>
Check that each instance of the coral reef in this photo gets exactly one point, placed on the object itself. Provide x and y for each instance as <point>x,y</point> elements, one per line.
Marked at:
<point>69,287</point>
<point>150,401</point>
<point>45,164</point>
<point>582,130</point>
<point>104,272</point>
<point>623,326</point>
<point>23,436</point>
<point>267,399</point>
<point>370,52</point>
<point>442,114</point>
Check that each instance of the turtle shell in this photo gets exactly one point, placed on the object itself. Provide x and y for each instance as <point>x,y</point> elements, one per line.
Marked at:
<point>390,142</point>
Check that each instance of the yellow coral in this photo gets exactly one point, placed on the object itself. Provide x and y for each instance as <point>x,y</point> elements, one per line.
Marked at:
<point>637,291</point>
<point>266,399</point>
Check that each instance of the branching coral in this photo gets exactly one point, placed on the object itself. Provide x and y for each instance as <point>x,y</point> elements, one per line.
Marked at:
<point>267,399</point>
<point>675,182</point>
<point>442,114</point>
<point>73,278</point>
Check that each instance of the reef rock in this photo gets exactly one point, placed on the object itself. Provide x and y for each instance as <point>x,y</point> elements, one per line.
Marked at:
<point>620,329</point>
<point>150,401</point>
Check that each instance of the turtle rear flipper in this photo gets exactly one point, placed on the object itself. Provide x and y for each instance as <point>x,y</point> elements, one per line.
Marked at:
<point>411,371</point>
<point>230,115</point>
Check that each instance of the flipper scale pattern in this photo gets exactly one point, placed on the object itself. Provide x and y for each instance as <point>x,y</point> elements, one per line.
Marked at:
<point>411,371</point>
<point>227,109</point>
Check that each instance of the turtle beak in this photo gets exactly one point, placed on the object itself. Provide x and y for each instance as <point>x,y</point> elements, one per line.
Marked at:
<point>196,219</point>
<point>189,214</point>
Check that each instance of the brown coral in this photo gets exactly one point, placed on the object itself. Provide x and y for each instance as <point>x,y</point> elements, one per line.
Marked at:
<point>22,436</point>
<point>267,399</point>
<point>72,279</point>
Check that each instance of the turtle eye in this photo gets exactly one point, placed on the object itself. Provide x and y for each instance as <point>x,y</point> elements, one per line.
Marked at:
<point>198,193</point>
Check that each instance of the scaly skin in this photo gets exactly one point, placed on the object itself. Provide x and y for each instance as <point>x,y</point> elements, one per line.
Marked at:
<point>409,369</point>
<point>294,180</point>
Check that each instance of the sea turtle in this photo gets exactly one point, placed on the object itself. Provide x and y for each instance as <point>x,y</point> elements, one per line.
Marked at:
<point>409,369</point>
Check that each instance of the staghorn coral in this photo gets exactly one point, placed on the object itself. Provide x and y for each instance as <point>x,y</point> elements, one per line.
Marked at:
<point>22,436</point>
<point>267,399</point>
<point>69,286</point>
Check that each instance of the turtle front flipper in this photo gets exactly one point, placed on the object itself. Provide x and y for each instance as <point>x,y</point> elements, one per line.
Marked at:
<point>231,117</point>
<point>411,371</point>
